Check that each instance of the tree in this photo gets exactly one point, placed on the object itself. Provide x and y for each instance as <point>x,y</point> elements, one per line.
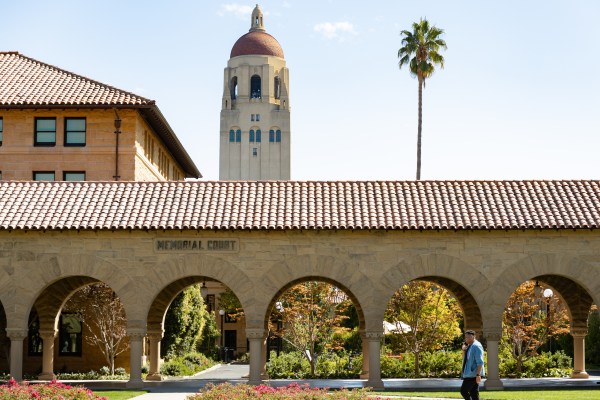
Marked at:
<point>529,320</point>
<point>425,316</point>
<point>311,314</point>
<point>420,51</point>
<point>100,309</point>
<point>184,322</point>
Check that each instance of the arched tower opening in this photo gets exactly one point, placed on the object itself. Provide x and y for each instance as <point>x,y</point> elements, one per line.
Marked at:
<point>255,87</point>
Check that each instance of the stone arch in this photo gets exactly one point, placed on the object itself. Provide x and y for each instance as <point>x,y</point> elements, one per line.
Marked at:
<point>345,276</point>
<point>462,280</point>
<point>175,275</point>
<point>255,87</point>
<point>348,292</point>
<point>79,267</point>
<point>572,277</point>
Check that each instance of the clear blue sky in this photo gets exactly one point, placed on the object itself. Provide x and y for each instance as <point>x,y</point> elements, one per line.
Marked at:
<point>519,97</point>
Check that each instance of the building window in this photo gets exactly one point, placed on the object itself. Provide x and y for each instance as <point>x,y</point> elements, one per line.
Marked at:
<point>45,132</point>
<point>74,131</point>
<point>278,136</point>
<point>254,152</point>
<point>34,342</point>
<point>238,136</point>
<point>1,130</point>
<point>258,135</point>
<point>277,87</point>
<point>43,175</point>
<point>258,117</point>
<point>271,136</point>
<point>232,136</point>
<point>251,135</point>
<point>71,176</point>
<point>252,117</point>
<point>69,335</point>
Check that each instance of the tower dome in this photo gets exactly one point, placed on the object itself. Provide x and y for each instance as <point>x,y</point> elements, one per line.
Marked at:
<point>257,41</point>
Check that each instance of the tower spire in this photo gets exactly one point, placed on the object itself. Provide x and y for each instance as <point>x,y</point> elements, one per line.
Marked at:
<point>256,24</point>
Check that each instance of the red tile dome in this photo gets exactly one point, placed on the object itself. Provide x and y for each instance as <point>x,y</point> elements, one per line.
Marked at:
<point>257,43</point>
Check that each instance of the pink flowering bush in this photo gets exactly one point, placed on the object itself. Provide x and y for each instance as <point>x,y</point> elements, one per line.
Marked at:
<point>227,391</point>
<point>53,390</point>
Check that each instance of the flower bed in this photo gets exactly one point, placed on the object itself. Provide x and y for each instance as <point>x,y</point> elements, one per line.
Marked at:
<point>290,392</point>
<point>53,390</point>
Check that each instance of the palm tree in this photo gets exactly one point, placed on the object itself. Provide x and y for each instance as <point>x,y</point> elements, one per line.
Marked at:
<point>420,51</point>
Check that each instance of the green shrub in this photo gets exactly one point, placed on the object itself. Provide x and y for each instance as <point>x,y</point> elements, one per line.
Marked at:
<point>189,364</point>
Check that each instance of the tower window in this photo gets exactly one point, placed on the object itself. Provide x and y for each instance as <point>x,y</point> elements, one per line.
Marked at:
<point>258,134</point>
<point>271,136</point>
<point>278,136</point>
<point>238,136</point>
<point>277,87</point>
<point>251,135</point>
<point>255,87</point>
<point>233,88</point>
<point>232,136</point>
<point>45,132</point>
<point>254,152</point>
<point>258,117</point>
<point>252,117</point>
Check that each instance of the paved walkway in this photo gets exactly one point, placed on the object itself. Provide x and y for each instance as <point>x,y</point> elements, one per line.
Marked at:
<point>180,388</point>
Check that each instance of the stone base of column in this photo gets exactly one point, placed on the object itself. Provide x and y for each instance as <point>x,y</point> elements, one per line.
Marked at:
<point>579,375</point>
<point>376,385</point>
<point>134,384</point>
<point>156,376</point>
<point>493,384</point>
<point>46,376</point>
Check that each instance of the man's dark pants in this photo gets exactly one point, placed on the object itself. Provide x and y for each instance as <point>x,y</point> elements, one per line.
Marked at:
<point>470,389</point>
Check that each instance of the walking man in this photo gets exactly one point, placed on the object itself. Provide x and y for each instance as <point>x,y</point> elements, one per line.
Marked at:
<point>472,369</point>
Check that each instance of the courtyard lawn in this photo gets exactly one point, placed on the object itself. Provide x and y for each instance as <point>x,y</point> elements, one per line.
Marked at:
<point>507,395</point>
<point>120,394</point>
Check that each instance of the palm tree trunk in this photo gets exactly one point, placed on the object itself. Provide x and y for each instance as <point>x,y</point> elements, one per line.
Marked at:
<point>419,128</point>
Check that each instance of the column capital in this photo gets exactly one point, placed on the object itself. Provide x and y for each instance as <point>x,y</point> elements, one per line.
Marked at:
<point>16,333</point>
<point>492,335</point>
<point>579,332</point>
<point>255,333</point>
<point>48,333</point>
<point>136,333</point>
<point>373,335</point>
<point>155,335</point>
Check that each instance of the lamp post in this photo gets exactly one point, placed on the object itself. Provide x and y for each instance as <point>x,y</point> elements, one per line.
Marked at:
<point>279,307</point>
<point>222,314</point>
<point>548,293</point>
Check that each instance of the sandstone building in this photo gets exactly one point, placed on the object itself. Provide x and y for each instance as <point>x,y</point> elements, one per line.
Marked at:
<point>57,125</point>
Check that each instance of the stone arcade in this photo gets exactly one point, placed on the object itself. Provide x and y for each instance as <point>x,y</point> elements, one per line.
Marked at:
<point>480,240</point>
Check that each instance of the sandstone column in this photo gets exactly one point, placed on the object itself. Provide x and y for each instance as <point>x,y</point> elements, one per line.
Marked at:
<point>256,337</point>
<point>136,337</point>
<point>48,338</point>
<point>579,335</point>
<point>16,337</point>
<point>374,344</point>
<point>154,337</point>
<point>492,372</point>
<point>364,374</point>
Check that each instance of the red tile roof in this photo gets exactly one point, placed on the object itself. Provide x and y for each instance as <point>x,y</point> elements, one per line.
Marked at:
<point>25,81</point>
<point>271,205</point>
<point>28,83</point>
